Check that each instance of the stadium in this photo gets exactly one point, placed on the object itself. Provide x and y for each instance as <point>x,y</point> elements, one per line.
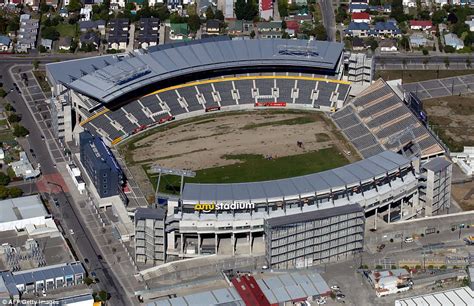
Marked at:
<point>303,220</point>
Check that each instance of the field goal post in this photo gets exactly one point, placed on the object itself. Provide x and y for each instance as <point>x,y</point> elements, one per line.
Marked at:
<point>170,171</point>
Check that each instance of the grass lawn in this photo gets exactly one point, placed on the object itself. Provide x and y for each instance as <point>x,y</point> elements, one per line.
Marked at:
<point>6,136</point>
<point>66,29</point>
<point>293,121</point>
<point>41,78</point>
<point>253,167</point>
<point>410,76</point>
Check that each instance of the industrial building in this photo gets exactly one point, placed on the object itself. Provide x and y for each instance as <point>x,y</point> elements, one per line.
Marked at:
<point>23,213</point>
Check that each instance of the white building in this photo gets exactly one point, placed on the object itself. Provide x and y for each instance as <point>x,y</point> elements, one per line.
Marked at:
<point>457,296</point>
<point>441,2</point>
<point>409,3</point>
<point>23,212</point>
<point>465,160</point>
<point>23,168</point>
<point>76,177</point>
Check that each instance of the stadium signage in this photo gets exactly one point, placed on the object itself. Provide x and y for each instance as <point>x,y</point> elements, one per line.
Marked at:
<point>270,104</point>
<point>208,207</point>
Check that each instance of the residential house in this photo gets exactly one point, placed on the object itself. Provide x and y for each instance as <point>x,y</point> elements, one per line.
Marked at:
<point>265,8</point>
<point>417,40</point>
<point>64,43</point>
<point>358,44</point>
<point>118,4</point>
<point>213,27</point>
<point>240,27</point>
<point>52,3</point>
<point>388,45</point>
<point>292,27</point>
<point>358,7</point>
<point>270,29</point>
<point>89,25</point>
<point>442,28</point>
<point>179,31</point>
<point>387,28</point>
<point>470,23</point>
<point>148,34</point>
<point>34,4</point>
<point>118,34</point>
<point>89,38</point>
<point>46,43</point>
<point>5,43</point>
<point>409,3</point>
<point>454,41</point>
<point>86,13</point>
<point>64,12</point>
<point>387,8</point>
<point>27,34</point>
<point>358,29</point>
<point>361,17</point>
<point>423,25</point>
<point>228,9</point>
<point>152,3</point>
<point>138,3</point>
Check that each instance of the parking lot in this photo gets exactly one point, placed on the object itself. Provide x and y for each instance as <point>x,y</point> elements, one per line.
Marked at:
<point>459,85</point>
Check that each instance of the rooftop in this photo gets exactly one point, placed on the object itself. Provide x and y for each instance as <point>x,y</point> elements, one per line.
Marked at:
<point>22,208</point>
<point>457,296</point>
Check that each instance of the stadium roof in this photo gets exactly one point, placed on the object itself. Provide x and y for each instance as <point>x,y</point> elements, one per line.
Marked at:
<point>457,296</point>
<point>334,179</point>
<point>22,208</point>
<point>106,78</point>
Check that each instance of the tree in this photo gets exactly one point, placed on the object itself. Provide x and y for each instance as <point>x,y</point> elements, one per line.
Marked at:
<point>452,18</point>
<point>405,43</point>
<point>50,33</point>
<point>341,14</point>
<point>252,34</point>
<point>245,10</point>
<point>15,192</point>
<point>4,179</point>
<point>446,60</point>
<point>373,45</point>
<point>42,49</point>
<point>35,64</point>
<point>449,49</point>
<point>9,108</point>
<point>468,62</point>
<point>3,192</point>
<point>44,8</point>
<point>13,118</point>
<point>74,6</point>
<point>425,51</point>
<point>219,15</point>
<point>20,130</point>
<point>283,8</point>
<point>438,16</point>
<point>3,93</point>
<point>209,13</point>
<point>194,22</point>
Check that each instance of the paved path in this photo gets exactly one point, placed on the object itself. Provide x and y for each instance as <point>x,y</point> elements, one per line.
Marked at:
<point>442,87</point>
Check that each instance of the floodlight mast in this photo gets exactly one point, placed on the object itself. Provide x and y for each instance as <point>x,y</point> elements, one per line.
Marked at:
<point>171,171</point>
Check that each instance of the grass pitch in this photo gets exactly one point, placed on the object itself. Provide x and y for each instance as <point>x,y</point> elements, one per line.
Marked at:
<point>254,168</point>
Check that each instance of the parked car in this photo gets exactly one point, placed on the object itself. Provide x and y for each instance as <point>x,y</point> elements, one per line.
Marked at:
<point>56,202</point>
<point>71,231</point>
<point>408,239</point>
<point>380,247</point>
<point>335,287</point>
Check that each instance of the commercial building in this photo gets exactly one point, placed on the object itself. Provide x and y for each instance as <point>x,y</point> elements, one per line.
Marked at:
<point>23,212</point>
<point>435,189</point>
<point>76,177</point>
<point>457,296</point>
<point>101,166</point>
<point>23,168</point>
<point>389,281</point>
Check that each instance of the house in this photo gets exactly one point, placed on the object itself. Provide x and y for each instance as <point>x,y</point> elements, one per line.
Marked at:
<point>117,4</point>
<point>86,13</point>
<point>27,34</point>
<point>442,28</point>
<point>441,2</point>
<point>417,40</point>
<point>387,8</point>
<point>389,281</point>
<point>5,43</point>
<point>64,12</point>
<point>89,25</point>
<point>240,27</point>
<point>213,27</point>
<point>118,34</point>
<point>358,44</point>
<point>361,17</point>
<point>91,38</point>
<point>179,31</point>
<point>358,29</point>
<point>52,3</point>
<point>423,25</point>
<point>148,34</point>
<point>358,7</point>
<point>470,23</point>
<point>47,43</point>
<point>292,27</point>
<point>265,8</point>
<point>409,3</point>
<point>65,43</point>
<point>385,29</point>
<point>454,41</point>
<point>34,4</point>
<point>388,45</point>
<point>271,29</point>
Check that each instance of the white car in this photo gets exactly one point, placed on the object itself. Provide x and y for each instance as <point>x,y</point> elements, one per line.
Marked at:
<point>71,231</point>
<point>335,287</point>
<point>408,239</point>
<point>321,301</point>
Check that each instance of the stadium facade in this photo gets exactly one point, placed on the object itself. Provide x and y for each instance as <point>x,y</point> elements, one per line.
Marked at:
<point>293,222</point>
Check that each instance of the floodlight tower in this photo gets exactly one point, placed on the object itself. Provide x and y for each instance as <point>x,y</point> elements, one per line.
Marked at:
<point>171,171</point>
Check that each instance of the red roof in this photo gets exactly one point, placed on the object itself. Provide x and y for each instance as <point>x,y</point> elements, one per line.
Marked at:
<point>249,291</point>
<point>292,25</point>
<point>362,15</point>
<point>266,5</point>
<point>421,23</point>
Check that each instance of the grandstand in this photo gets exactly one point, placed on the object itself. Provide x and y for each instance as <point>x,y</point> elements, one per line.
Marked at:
<point>196,98</point>
<point>378,119</point>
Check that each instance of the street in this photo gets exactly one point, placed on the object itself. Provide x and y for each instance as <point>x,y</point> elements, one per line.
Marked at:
<point>329,20</point>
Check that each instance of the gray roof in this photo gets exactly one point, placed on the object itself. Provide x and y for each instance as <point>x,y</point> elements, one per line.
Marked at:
<point>149,213</point>
<point>22,208</point>
<point>334,179</point>
<point>456,296</point>
<point>224,296</point>
<point>437,164</point>
<point>120,77</point>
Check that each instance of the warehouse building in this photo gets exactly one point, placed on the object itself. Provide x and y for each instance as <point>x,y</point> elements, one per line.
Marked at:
<point>23,212</point>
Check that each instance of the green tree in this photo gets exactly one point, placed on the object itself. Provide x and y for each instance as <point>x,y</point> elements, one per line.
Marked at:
<point>13,24</point>
<point>4,179</point>
<point>74,6</point>
<point>320,32</point>
<point>219,15</point>
<point>194,22</point>
<point>246,10</point>
<point>9,108</point>
<point>252,34</point>
<point>468,62</point>
<point>283,8</point>
<point>35,64</point>
<point>438,16</point>
<point>20,130</point>
<point>373,44</point>
<point>405,43</point>
<point>425,51</point>
<point>446,59</point>
<point>3,192</point>
<point>13,118</point>
<point>15,192</point>
<point>50,33</point>
<point>3,93</point>
<point>209,13</point>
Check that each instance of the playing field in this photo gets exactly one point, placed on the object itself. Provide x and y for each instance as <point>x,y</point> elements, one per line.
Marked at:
<point>240,147</point>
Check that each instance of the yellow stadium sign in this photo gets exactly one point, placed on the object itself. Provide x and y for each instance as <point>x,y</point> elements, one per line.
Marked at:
<point>208,207</point>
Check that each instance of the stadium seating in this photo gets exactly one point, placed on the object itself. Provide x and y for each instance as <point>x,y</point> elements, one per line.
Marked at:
<point>197,97</point>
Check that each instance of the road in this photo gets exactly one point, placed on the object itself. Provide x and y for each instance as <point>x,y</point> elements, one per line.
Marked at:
<point>329,20</point>
<point>84,245</point>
